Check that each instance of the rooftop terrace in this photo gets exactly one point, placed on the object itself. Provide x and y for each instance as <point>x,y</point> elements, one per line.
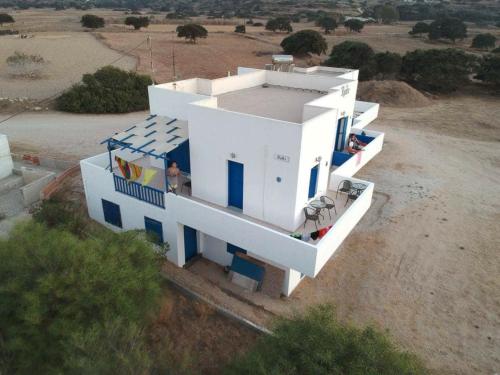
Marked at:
<point>277,102</point>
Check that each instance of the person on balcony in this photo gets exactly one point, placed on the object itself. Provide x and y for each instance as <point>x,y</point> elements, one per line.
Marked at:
<point>173,173</point>
<point>355,145</point>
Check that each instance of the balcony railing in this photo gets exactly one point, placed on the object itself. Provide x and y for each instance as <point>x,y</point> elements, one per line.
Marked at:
<point>144,193</point>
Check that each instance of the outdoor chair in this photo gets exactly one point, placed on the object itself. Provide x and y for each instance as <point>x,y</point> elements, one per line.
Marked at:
<point>330,203</point>
<point>186,184</point>
<point>351,195</point>
<point>345,186</point>
<point>311,214</point>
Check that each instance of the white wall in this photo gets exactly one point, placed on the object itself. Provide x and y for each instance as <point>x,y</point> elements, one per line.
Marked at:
<point>370,113</point>
<point>215,250</point>
<point>6,163</point>
<point>238,82</point>
<point>291,281</point>
<point>255,141</point>
<point>171,103</point>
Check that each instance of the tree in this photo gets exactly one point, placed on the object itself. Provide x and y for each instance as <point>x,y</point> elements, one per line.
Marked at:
<point>137,22</point>
<point>280,24</point>
<point>488,70</point>
<point>438,70</point>
<point>6,18</point>
<point>354,25</point>
<point>240,29</point>
<point>109,90</point>
<point>73,305</point>
<point>91,21</point>
<point>304,42</point>
<point>354,55</point>
<point>388,64</point>
<point>419,28</point>
<point>317,343</point>
<point>191,32</point>
<point>484,41</point>
<point>447,28</point>
<point>386,13</point>
<point>327,23</point>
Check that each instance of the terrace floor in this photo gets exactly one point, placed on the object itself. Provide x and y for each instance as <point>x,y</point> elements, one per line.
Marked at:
<point>281,103</point>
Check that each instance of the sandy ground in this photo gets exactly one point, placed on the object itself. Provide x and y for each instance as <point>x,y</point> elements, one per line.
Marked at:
<point>68,55</point>
<point>422,263</point>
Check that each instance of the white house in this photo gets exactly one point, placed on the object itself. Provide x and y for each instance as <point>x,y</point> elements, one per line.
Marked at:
<point>255,150</point>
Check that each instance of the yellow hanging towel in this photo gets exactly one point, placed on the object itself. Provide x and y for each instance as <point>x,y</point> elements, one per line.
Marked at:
<point>135,171</point>
<point>149,174</point>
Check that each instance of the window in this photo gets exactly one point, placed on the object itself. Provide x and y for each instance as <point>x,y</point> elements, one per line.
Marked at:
<point>112,213</point>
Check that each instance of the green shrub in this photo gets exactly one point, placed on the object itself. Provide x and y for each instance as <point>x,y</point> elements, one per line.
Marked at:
<point>240,29</point>
<point>354,55</point>
<point>388,64</point>
<point>109,90</point>
<point>279,24</point>
<point>304,42</point>
<point>91,21</point>
<point>484,41</point>
<point>72,305</point>
<point>327,23</point>
<point>419,28</point>
<point>137,22</point>
<point>438,70</point>
<point>354,25</point>
<point>6,18</point>
<point>447,28</point>
<point>488,70</point>
<point>317,343</point>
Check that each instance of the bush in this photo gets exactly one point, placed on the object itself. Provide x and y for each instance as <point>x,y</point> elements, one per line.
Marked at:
<point>386,13</point>
<point>280,24</point>
<point>304,42</point>
<point>258,24</point>
<point>353,55</point>
<point>191,32</point>
<point>137,22</point>
<point>388,64</point>
<point>6,18</point>
<point>484,41</point>
<point>447,28</point>
<point>109,90</point>
<point>438,70</point>
<point>419,28</point>
<point>240,29</point>
<point>317,343</point>
<point>72,305</point>
<point>327,23</point>
<point>488,70</point>
<point>91,21</point>
<point>22,65</point>
<point>354,25</point>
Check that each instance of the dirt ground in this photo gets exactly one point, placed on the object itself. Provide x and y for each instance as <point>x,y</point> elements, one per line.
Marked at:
<point>196,338</point>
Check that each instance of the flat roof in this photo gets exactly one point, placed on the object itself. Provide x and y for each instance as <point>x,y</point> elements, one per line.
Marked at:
<point>277,102</point>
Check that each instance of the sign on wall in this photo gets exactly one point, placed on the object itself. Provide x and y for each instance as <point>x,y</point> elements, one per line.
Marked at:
<point>344,90</point>
<point>282,157</point>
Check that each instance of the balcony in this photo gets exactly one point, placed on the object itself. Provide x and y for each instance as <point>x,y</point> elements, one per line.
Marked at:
<point>144,193</point>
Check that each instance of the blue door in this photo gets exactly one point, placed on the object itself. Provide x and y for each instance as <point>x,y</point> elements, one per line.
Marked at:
<point>112,213</point>
<point>340,137</point>
<point>190,242</point>
<point>235,184</point>
<point>313,181</point>
<point>154,228</point>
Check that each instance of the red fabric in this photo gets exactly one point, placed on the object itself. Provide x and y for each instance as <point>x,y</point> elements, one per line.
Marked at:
<point>324,231</point>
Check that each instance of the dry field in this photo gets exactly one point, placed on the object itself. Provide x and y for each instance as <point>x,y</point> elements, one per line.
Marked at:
<point>68,55</point>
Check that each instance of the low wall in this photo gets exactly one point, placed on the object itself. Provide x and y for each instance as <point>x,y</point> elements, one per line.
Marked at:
<point>32,191</point>
<point>369,113</point>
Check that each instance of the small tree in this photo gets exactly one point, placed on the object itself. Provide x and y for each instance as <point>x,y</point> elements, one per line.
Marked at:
<point>419,28</point>
<point>438,70</point>
<point>137,22</point>
<point>317,343</point>
<point>279,24</point>
<point>388,64</point>
<point>448,28</point>
<point>327,23</point>
<point>353,55</point>
<point>6,18</point>
<point>191,32</point>
<point>386,13</point>
<point>354,25</point>
<point>484,41</point>
<point>91,21</point>
<point>22,65</point>
<point>240,29</point>
<point>488,70</point>
<point>304,42</point>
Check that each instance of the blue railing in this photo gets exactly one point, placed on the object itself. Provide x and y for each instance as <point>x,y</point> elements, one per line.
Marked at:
<point>144,193</point>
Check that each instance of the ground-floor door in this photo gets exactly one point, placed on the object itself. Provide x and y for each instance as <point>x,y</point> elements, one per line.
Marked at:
<point>154,228</point>
<point>190,242</point>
